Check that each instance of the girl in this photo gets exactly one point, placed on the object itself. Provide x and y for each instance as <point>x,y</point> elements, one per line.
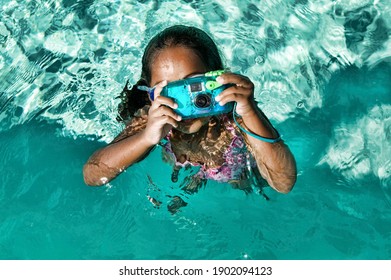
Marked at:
<point>216,144</point>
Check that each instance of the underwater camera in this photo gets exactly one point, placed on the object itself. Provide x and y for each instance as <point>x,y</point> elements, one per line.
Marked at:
<point>195,96</point>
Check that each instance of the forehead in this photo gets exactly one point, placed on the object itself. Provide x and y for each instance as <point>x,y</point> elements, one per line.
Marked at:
<point>175,63</point>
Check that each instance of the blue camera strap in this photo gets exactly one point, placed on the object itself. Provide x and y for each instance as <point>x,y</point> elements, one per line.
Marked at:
<point>268,140</point>
<point>149,90</point>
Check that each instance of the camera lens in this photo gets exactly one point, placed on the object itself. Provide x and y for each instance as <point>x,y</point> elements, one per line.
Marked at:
<point>202,101</point>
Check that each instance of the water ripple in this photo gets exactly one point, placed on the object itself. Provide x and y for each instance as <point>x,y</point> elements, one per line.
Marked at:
<point>44,37</point>
<point>362,148</point>
<point>64,62</point>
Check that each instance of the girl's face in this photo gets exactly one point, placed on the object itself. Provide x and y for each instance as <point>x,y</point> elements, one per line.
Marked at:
<point>176,63</point>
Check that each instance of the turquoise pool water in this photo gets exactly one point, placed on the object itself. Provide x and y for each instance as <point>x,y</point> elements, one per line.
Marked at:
<point>322,71</point>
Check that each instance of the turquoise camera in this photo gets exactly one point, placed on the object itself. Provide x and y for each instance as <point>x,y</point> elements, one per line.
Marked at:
<point>195,96</point>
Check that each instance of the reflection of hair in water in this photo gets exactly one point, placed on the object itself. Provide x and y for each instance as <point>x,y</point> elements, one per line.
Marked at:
<point>252,182</point>
<point>208,149</point>
<point>185,36</point>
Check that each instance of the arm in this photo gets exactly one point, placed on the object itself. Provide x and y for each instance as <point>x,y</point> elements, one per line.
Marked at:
<point>133,143</point>
<point>127,148</point>
<point>274,160</point>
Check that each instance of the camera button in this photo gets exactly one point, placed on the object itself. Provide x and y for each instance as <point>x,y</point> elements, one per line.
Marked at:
<point>211,85</point>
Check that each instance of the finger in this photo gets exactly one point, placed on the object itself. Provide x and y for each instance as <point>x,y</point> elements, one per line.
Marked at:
<point>162,100</point>
<point>163,120</point>
<point>237,79</point>
<point>158,88</point>
<point>238,98</point>
<point>164,111</point>
<point>234,93</point>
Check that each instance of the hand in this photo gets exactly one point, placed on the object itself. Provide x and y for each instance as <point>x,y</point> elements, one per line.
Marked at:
<point>242,93</point>
<point>161,117</point>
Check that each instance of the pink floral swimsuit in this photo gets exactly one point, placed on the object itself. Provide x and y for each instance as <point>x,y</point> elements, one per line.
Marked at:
<point>235,156</point>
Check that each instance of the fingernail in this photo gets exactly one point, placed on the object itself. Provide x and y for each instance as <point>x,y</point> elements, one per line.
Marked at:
<point>217,98</point>
<point>220,80</point>
<point>179,118</point>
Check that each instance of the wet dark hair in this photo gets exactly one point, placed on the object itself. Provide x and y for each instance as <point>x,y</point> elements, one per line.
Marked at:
<point>178,35</point>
